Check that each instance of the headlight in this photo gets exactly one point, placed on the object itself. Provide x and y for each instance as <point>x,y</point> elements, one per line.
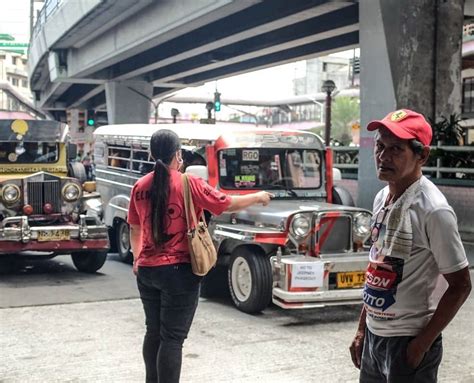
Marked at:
<point>10,193</point>
<point>71,192</point>
<point>361,227</point>
<point>300,226</point>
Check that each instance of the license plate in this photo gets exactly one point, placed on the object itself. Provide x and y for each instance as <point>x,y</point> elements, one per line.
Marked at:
<point>353,279</point>
<point>54,235</point>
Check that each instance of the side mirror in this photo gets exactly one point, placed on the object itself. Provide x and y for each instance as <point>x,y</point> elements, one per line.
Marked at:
<point>71,151</point>
<point>198,170</point>
<point>336,174</point>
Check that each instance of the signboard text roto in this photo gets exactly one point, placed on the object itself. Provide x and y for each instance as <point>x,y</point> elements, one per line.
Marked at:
<point>307,274</point>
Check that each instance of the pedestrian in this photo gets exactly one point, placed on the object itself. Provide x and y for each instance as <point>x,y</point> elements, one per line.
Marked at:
<point>417,277</point>
<point>87,162</point>
<point>168,288</point>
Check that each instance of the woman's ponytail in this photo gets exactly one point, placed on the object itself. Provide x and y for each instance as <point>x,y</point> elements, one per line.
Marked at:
<point>163,146</point>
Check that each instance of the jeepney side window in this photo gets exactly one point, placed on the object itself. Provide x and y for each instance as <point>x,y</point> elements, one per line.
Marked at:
<point>119,157</point>
<point>141,161</point>
<point>191,157</point>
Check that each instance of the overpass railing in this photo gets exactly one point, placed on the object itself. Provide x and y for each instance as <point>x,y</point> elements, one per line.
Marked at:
<point>49,8</point>
<point>451,165</point>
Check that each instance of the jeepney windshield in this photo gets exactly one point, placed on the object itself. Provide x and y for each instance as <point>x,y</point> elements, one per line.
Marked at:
<point>269,168</point>
<point>23,152</point>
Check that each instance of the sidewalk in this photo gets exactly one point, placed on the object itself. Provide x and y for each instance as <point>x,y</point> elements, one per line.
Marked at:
<point>101,342</point>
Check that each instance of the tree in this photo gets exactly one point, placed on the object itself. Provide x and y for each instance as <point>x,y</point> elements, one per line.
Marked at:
<point>345,111</point>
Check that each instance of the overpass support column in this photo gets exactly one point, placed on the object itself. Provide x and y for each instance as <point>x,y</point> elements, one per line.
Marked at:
<point>128,101</point>
<point>410,58</point>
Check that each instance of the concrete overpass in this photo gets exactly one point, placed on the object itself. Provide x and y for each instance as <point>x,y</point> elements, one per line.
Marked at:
<point>85,52</point>
<point>123,53</point>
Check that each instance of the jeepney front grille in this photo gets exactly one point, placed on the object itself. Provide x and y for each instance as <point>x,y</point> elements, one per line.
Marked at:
<point>334,234</point>
<point>43,192</point>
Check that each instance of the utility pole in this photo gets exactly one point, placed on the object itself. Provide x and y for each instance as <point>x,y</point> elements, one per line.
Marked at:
<point>32,15</point>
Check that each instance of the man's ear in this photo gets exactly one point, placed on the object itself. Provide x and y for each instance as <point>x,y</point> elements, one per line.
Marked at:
<point>424,155</point>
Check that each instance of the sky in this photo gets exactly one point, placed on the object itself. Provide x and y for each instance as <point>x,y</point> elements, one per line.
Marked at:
<point>15,18</point>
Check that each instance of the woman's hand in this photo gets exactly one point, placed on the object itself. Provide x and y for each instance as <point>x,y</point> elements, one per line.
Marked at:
<point>264,197</point>
<point>135,267</point>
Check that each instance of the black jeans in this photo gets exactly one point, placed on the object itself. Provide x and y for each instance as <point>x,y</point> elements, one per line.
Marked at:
<point>384,361</point>
<point>170,296</point>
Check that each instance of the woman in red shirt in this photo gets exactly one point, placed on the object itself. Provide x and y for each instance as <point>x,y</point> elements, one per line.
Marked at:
<point>168,288</point>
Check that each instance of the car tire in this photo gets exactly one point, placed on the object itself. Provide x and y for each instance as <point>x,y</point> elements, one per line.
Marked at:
<point>341,196</point>
<point>250,280</point>
<point>122,242</point>
<point>89,262</point>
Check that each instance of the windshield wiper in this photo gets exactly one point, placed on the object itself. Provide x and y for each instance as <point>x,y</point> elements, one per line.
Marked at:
<point>291,192</point>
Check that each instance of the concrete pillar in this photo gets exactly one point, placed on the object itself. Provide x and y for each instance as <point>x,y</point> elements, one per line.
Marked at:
<point>410,58</point>
<point>128,101</point>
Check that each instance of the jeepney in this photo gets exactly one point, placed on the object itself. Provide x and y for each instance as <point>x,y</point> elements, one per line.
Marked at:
<point>47,207</point>
<point>300,251</point>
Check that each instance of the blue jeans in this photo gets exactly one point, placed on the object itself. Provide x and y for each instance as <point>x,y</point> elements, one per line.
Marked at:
<point>170,296</point>
<point>384,361</point>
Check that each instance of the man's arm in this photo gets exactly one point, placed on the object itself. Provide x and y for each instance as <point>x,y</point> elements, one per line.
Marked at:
<point>358,342</point>
<point>459,288</point>
<point>135,243</point>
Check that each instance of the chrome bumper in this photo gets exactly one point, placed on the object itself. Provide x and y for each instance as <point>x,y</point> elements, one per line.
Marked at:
<point>315,299</point>
<point>301,282</point>
<point>17,229</point>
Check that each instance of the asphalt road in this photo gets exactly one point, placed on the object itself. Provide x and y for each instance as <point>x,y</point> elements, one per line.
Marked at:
<point>56,281</point>
<point>58,325</point>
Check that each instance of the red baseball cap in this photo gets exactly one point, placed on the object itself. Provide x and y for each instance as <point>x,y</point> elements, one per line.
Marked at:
<point>405,124</point>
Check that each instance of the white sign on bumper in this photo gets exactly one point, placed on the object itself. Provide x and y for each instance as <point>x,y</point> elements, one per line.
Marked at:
<point>307,274</point>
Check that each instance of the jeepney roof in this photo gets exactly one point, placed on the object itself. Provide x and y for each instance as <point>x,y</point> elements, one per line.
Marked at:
<point>32,130</point>
<point>203,132</point>
<point>190,131</point>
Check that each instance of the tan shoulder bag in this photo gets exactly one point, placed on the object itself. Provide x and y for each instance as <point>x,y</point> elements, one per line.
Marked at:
<point>202,250</point>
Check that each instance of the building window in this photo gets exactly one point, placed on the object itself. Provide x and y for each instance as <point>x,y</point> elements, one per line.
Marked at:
<point>14,81</point>
<point>24,83</point>
<point>13,60</point>
<point>468,95</point>
<point>325,67</point>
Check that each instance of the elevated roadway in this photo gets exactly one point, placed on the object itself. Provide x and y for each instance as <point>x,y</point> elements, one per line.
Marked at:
<point>83,52</point>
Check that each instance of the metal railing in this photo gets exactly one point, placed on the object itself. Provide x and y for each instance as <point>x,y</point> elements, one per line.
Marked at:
<point>49,8</point>
<point>445,162</point>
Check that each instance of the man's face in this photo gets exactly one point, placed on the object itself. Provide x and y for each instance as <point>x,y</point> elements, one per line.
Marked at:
<point>395,161</point>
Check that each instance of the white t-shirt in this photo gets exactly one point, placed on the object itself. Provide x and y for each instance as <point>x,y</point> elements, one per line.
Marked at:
<point>401,293</point>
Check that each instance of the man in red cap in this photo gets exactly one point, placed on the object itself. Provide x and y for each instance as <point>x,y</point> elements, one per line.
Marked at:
<point>418,277</point>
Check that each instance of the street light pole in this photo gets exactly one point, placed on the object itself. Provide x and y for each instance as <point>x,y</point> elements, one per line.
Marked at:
<point>328,87</point>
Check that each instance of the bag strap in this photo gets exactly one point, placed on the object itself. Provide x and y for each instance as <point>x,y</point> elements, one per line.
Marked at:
<point>188,202</point>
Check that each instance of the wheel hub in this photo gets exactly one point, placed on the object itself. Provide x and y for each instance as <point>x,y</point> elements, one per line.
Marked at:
<point>241,279</point>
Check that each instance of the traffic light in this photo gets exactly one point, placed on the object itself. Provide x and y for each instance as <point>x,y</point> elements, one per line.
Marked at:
<point>355,62</point>
<point>90,118</point>
<point>217,101</point>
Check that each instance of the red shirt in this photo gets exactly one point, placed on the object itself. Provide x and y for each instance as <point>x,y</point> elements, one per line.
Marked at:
<point>175,250</point>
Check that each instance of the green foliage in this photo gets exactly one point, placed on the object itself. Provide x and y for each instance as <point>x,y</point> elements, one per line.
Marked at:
<point>447,130</point>
<point>344,112</point>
